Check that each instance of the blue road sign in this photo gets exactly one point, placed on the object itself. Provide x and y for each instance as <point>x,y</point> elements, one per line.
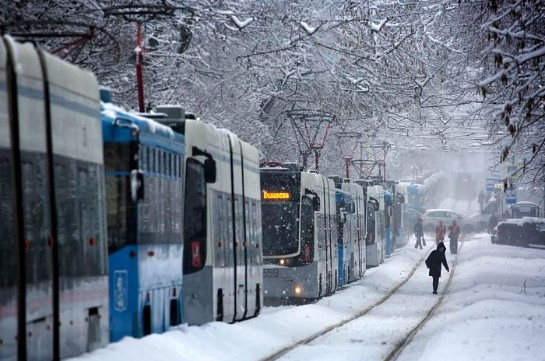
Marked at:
<point>511,197</point>
<point>490,182</point>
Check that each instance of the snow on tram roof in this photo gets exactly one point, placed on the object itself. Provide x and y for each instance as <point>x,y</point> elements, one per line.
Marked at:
<point>113,111</point>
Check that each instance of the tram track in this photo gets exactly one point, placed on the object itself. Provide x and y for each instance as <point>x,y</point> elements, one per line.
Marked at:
<point>401,343</point>
<point>360,314</point>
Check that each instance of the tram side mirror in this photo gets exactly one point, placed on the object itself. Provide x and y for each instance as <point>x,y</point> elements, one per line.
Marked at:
<point>342,215</point>
<point>137,185</point>
<point>210,170</point>
<point>375,203</point>
<point>315,199</point>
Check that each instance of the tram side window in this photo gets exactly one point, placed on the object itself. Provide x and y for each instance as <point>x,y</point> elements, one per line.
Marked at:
<point>229,244</point>
<point>307,223</point>
<point>144,158</point>
<point>36,218</point>
<point>7,244</point>
<point>69,218</point>
<point>370,237</point>
<point>194,217</point>
<point>218,220</point>
<point>249,236</point>
<point>90,199</point>
<point>252,225</point>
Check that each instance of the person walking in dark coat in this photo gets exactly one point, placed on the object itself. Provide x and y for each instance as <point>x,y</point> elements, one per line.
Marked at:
<point>434,261</point>
<point>419,233</point>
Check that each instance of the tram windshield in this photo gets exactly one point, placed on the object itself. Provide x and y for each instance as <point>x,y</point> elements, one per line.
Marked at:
<point>280,228</point>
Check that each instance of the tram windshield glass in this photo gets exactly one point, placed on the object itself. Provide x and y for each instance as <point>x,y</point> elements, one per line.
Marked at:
<point>280,228</point>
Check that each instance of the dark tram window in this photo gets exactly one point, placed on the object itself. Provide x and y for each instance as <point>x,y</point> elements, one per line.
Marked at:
<point>117,203</point>
<point>307,221</point>
<point>117,157</point>
<point>280,233</point>
<point>8,260</point>
<point>218,220</point>
<point>36,217</point>
<point>194,217</point>
<point>180,166</point>
<point>144,159</point>
<point>149,165</point>
<point>162,162</point>
<point>371,219</point>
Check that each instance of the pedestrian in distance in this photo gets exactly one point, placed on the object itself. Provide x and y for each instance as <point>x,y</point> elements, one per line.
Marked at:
<point>492,222</point>
<point>454,233</point>
<point>481,198</point>
<point>434,261</point>
<point>440,231</point>
<point>419,233</point>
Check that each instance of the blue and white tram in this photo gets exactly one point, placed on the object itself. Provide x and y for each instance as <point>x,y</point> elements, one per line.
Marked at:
<point>223,277</point>
<point>144,163</point>
<point>374,240</point>
<point>53,281</point>
<point>299,234</point>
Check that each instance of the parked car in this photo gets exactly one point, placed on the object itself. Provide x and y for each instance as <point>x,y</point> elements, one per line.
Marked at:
<point>524,232</point>
<point>524,209</point>
<point>433,216</point>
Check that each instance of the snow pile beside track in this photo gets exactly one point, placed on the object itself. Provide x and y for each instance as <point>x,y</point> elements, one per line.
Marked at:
<point>273,330</point>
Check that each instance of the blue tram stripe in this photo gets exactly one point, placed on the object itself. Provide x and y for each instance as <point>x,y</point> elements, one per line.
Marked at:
<point>77,107</point>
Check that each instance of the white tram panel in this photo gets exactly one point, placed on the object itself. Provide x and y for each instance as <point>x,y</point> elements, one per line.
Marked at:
<point>253,233</point>
<point>375,243</point>
<point>74,101</point>
<point>217,292</point>
<point>200,294</point>
<point>77,141</point>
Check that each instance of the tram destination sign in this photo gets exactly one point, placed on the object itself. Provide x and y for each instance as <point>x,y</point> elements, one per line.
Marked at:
<point>276,196</point>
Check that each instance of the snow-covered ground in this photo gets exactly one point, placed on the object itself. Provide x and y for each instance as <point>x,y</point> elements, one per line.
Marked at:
<point>495,310</point>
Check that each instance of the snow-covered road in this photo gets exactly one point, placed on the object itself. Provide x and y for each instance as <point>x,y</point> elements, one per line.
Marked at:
<point>375,335</point>
<point>494,310</point>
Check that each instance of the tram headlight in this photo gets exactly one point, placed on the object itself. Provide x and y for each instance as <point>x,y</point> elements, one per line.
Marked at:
<point>282,262</point>
<point>298,290</point>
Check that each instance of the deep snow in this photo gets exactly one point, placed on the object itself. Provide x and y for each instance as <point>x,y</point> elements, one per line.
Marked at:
<point>495,310</point>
